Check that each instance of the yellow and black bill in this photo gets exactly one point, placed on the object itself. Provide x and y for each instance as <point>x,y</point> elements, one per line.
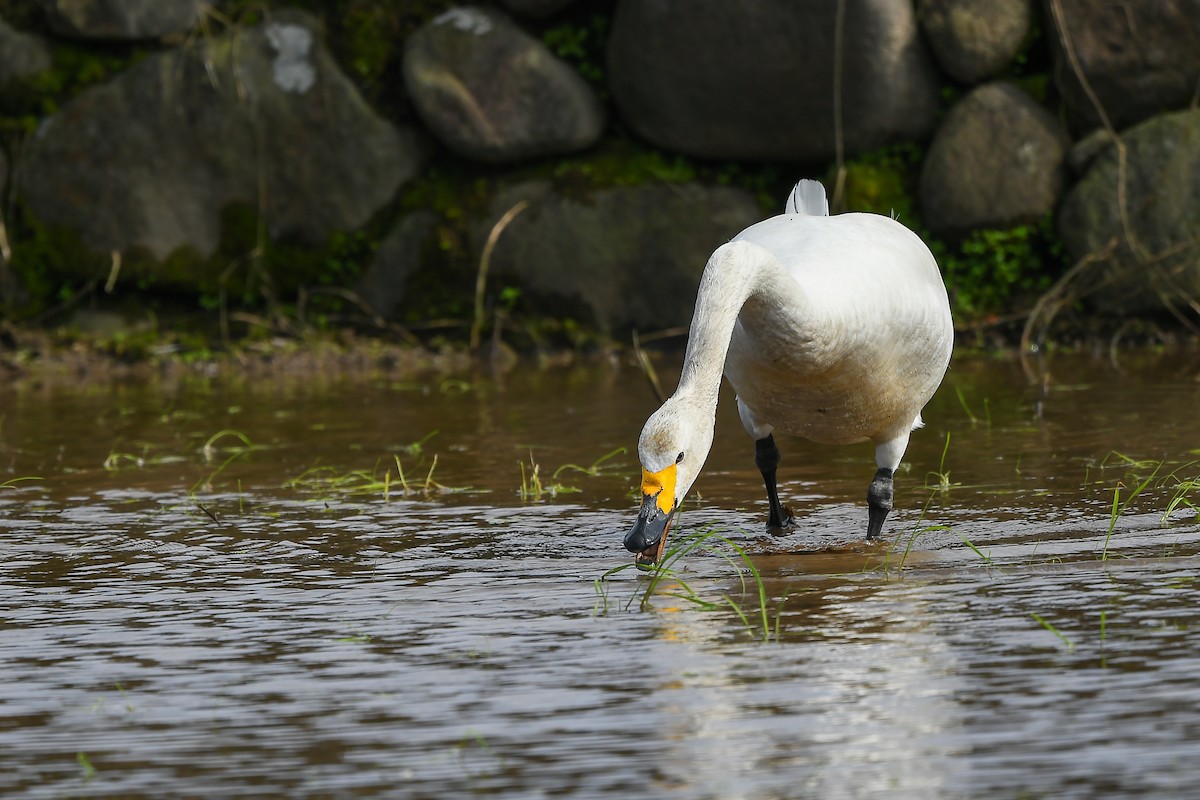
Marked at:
<point>648,536</point>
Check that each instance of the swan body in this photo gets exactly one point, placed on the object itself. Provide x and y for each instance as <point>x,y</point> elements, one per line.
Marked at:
<point>833,328</point>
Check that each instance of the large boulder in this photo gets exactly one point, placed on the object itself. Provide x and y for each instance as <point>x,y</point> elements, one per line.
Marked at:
<point>263,117</point>
<point>997,160</point>
<point>536,8</point>
<point>1141,57</point>
<point>974,40</point>
<point>623,257</point>
<point>1161,264</point>
<point>493,93</point>
<point>400,254</point>
<point>121,19</point>
<point>22,55</point>
<point>757,80</point>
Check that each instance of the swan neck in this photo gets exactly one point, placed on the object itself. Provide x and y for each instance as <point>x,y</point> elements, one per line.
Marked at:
<point>734,273</point>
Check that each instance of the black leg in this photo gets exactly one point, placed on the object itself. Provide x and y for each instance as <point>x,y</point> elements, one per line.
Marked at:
<point>766,458</point>
<point>879,501</point>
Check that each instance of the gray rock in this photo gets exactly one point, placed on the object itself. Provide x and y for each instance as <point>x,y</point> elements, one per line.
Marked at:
<point>12,293</point>
<point>756,80</point>
<point>399,256</point>
<point>974,40</point>
<point>536,8</point>
<point>121,19</point>
<point>1141,57</point>
<point>1085,150</point>
<point>263,117</point>
<point>625,257</point>
<point>996,161</point>
<point>1163,203</point>
<point>22,55</point>
<point>493,93</point>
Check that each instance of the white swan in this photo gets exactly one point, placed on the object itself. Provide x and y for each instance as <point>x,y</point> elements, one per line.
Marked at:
<point>836,329</point>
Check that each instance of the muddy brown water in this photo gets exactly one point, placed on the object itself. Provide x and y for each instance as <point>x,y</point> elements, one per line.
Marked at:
<point>256,618</point>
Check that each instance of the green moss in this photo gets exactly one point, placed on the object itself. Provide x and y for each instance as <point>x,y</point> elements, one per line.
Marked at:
<point>996,271</point>
<point>882,182</point>
<point>245,271</point>
<point>617,164</point>
<point>367,44</point>
<point>50,264</point>
<point>74,68</point>
<point>581,41</point>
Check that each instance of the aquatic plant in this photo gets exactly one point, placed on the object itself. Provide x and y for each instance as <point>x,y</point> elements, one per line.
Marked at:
<point>987,412</point>
<point>987,559</point>
<point>114,461</point>
<point>85,764</point>
<point>594,469</point>
<point>1062,637</point>
<point>532,487</point>
<point>942,475</point>
<point>329,480</point>
<point>414,448</point>
<point>1183,489</point>
<point>356,636</point>
<point>1139,484</point>
<point>918,531</point>
<point>210,450</point>
<point>663,579</point>
<point>11,483</point>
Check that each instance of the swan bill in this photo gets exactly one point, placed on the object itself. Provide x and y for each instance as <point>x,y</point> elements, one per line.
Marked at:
<point>653,554</point>
<point>648,536</point>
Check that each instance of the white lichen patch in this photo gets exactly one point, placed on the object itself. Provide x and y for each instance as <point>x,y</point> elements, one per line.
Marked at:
<point>468,20</point>
<point>292,69</point>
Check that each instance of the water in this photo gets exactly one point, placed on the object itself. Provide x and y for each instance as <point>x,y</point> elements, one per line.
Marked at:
<point>256,618</point>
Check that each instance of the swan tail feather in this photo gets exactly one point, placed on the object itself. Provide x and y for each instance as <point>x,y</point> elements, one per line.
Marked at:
<point>808,197</point>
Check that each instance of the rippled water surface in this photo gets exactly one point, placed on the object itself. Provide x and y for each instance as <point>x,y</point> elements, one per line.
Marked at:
<point>224,587</point>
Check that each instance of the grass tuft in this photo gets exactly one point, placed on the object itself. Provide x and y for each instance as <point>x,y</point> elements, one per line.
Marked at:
<point>1119,506</point>
<point>941,482</point>
<point>325,480</point>
<point>534,489</point>
<point>664,579</point>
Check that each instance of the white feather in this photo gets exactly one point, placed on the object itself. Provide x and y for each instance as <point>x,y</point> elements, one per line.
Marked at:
<point>807,197</point>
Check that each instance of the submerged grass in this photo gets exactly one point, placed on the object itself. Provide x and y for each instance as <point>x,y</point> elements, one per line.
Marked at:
<point>917,532</point>
<point>1142,477</point>
<point>595,468</point>
<point>11,483</point>
<point>210,451</point>
<point>328,480</point>
<point>987,409</point>
<point>941,477</point>
<point>116,460</point>
<point>665,579</point>
<point>1061,636</point>
<point>533,488</point>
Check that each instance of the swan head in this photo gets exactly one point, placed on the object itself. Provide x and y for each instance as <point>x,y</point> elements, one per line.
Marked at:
<point>672,448</point>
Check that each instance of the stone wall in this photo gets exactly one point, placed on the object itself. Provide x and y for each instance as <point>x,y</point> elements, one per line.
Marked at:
<point>634,136</point>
